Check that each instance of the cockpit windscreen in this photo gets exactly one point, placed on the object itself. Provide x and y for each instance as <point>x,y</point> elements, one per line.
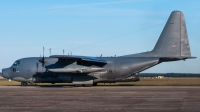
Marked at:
<point>16,63</point>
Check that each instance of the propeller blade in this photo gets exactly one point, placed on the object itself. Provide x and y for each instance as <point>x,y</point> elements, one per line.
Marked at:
<point>42,61</point>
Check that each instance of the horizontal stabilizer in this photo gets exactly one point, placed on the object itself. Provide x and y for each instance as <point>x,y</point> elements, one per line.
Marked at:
<point>165,59</point>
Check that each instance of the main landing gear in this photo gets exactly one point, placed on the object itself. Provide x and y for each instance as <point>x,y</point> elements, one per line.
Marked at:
<point>94,84</point>
<point>86,85</point>
<point>24,83</point>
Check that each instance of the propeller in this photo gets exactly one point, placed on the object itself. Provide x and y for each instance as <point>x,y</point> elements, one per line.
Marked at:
<point>42,60</point>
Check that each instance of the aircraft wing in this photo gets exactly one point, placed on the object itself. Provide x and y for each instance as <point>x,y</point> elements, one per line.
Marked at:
<point>79,58</point>
<point>76,70</point>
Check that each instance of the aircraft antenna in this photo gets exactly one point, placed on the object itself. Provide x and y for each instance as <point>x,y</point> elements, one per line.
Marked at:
<point>50,51</point>
<point>43,51</point>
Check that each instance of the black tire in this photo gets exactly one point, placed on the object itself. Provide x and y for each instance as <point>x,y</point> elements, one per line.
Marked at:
<point>24,83</point>
<point>94,84</point>
<point>78,85</point>
<point>87,85</point>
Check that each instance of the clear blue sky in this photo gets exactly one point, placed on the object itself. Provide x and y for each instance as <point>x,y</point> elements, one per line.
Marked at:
<point>28,25</point>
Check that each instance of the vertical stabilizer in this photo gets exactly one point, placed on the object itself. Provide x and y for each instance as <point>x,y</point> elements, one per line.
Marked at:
<point>173,41</point>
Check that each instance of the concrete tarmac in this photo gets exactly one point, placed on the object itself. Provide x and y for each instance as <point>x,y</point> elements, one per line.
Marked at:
<point>100,99</point>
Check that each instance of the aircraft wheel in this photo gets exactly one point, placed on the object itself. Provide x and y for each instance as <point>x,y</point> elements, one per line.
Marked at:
<point>78,85</point>
<point>94,84</point>
<point>87,85</point>
<point>24,83</point>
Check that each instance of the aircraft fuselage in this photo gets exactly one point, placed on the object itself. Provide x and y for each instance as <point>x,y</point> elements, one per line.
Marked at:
<point>116,69</point>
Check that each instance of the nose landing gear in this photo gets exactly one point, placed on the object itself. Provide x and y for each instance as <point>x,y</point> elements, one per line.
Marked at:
<point>24,83</point>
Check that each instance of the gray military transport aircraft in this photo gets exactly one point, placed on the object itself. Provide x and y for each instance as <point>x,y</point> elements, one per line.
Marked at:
<point>172,45</point>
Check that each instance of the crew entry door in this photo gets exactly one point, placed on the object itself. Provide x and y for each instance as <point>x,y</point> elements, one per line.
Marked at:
<point>110,72</point>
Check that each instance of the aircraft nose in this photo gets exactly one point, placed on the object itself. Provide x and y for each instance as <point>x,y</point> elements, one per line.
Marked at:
<point>5,73</point>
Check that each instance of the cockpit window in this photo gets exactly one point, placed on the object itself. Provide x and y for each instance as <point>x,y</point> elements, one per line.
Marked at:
<point>16,63</point>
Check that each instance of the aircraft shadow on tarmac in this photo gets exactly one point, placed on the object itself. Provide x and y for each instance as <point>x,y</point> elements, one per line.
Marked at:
<point>71,86</point>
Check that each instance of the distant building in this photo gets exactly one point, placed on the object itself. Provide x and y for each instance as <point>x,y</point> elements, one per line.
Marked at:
<point>160,77</point>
